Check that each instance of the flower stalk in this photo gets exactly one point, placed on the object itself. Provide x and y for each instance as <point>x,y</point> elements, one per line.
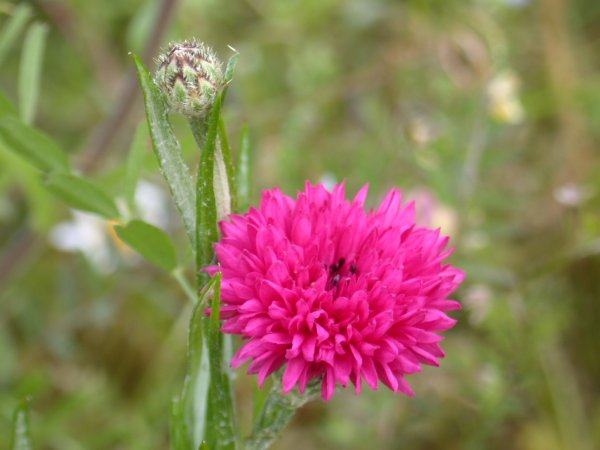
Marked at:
<point>277,412</point>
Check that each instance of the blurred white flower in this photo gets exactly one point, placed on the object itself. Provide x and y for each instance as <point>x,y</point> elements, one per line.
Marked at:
<point>88,234</point>
<point>571,194</point>
<point>504,104</point>
<point>152,204</point>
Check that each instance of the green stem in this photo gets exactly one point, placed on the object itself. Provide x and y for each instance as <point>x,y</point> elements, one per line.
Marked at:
<point>277,412</point>
<point>185,285</point>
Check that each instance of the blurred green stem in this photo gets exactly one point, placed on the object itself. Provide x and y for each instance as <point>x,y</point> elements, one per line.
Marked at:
<point>185,285</point>
<point>277,412</point>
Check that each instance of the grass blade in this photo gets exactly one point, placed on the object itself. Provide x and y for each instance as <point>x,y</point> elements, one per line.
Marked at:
<point>168,150</point>
<point>12,29</point>
<point>243,176</point>
<point>21,436</point>
<point>30,70</point>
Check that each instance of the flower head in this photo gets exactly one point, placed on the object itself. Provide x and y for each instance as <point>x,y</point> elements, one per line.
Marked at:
<point>190,75</point>
<point>332,292</point>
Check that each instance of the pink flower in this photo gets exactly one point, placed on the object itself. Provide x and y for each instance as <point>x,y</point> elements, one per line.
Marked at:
<point>333,292</point>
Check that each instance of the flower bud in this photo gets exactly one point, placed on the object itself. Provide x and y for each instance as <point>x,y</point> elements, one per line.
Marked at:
<point>190,75</point>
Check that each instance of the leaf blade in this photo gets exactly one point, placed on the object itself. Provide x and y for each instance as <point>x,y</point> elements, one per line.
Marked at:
<point>34,146</point>
<point>12,29</point>
<point>244,172</point>
<point>21,433</point>
<point>81,194</point>
<point>150,242</point>
<point>168,150</point>
<point>30,70</point>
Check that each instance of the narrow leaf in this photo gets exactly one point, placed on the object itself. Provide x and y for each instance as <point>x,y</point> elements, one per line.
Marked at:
<point>134,163</point>
<point>150,242</point>
<point>230,69</point>
<point>21,436</point>
<point>227,159</point>
<point>206,225</point>
<point>243,176</point>
<point>177,428</point>
<point>6,107</point>
<point>195,388</point>
<point>168,150</point>
<point>30,70</point>
<point>81,194</point>
<point>12,29</point>
<point>220,428</point>
<point>37,148</point>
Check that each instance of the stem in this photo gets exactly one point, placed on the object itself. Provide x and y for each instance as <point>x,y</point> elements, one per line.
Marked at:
<point>277,412</point>
<point>185,285</point>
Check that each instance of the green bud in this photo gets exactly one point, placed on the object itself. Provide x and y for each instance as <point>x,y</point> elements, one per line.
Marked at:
<point>190,75</point>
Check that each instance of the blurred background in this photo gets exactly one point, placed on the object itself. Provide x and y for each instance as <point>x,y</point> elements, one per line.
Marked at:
<point>486,112</point>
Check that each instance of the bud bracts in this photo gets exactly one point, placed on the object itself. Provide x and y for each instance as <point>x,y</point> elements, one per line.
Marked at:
<point>190,75</point>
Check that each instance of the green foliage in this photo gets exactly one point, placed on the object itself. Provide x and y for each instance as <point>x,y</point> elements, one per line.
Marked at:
<point>206,226</point>
<point>33,145</point>
<point>220,431</point>
<point>80,193</point>
<point>168,151</point>
<point>150,242</point>
<point>21,436</point>
<point>31,70</point>
<point>11,30</point>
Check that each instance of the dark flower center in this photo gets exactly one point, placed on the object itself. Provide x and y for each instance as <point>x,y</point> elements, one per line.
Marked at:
<point>340,271</point>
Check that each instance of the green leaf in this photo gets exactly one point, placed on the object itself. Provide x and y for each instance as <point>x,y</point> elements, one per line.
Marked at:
<point>150,242</point>
<point>177,429</point>
<point>244,178</point>
<point>204,446</point>
<point>30,70</point>
<point>220,427</point>
<point>81,194</point>
<point>21,436</point>
<point>12,29</point>
<point>168,151</point>
<point>6,107</point>
<point>37,148</point>
<point>230,69</point>
<point>135,159</point>
<point>206,226</point>
<point>227,159</point>
<point>195,387</point>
